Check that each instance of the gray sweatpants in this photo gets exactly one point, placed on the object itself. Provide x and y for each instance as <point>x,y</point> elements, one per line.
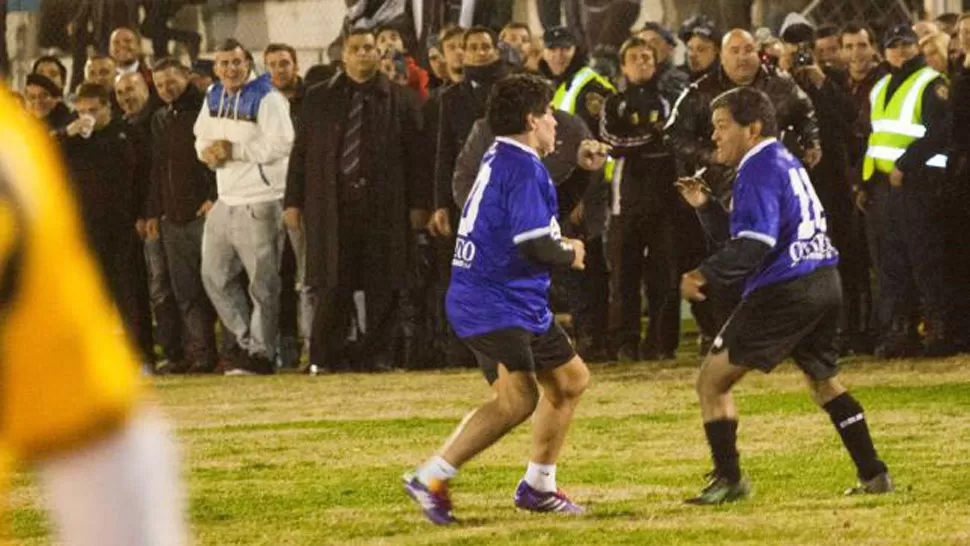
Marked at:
<point>245,237</point>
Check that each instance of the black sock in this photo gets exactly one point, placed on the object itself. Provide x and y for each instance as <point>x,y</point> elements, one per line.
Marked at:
<point>849,420</point>
<point>722,435</point>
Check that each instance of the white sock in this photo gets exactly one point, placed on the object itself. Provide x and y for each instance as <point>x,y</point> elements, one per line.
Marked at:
<point>436,468</point>
<point>541,477</point>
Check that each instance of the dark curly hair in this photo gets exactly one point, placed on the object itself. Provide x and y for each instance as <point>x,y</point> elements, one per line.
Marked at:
<point>513,99</point>
<point>748,105</point>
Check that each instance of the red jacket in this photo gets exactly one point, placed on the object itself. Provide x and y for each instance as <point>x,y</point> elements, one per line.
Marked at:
<point>417,78</point>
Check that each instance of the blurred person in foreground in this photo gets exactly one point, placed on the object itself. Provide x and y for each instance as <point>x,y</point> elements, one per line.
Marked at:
<point>73,408</point>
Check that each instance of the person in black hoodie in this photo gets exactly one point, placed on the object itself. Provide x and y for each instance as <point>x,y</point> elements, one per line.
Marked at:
<point>645,209</point>
<point>182,191</point>
<point>102,164</point>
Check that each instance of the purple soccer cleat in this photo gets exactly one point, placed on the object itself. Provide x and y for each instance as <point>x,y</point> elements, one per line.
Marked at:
<point>433,499</point>
<point>533,500</point>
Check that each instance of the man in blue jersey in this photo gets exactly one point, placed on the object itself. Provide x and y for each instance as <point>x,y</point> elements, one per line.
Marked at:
<point>497,303</point>
<point>774,241</point>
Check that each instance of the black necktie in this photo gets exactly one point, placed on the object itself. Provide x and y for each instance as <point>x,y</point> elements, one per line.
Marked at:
<point>350,154</point>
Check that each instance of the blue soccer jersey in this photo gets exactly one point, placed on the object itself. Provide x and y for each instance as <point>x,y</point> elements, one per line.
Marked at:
<point>493,287</point>
<point>774,202</point>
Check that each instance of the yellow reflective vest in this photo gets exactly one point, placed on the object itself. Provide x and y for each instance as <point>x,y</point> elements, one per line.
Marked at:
<point>568,93</point>
<point>897,124</point>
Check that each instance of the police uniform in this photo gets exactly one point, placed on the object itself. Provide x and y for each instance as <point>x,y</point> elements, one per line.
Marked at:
<point>910,127</point>
<point>69,375</point>
<point>582,92</point>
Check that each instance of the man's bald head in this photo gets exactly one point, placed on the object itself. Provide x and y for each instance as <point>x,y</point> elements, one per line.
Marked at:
<point>735,35</point>
<point>739,56</point>
<point>131,90</point>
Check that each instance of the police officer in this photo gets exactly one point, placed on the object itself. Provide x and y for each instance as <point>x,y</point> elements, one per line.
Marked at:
<point>582,92</point>
<point>644,207</point>
<point>579,89</point>
<point>910,127</point>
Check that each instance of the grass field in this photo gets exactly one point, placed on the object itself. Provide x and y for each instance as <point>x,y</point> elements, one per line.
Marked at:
<point>301,460</point>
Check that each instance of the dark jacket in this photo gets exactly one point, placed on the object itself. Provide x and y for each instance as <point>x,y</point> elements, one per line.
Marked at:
<point>460,105</point>
<point>140,132</point>
<point>572,184</point>
<point>689,129</point>
<point>958,166</point>
<point>102,170</point>
<point>296,104</point>
<point>694,76</point>
<point>59,118</point>
<point>180,183</point>
<point>836,114</point>
<point>633,124</point>
<point>393,168</point>
<point>670,80</point>
<point>861,120</point>
<point>590,100</point>
<point>935,113</point>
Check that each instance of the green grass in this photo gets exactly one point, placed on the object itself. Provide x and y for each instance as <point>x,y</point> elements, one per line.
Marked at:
<point>317,460</point>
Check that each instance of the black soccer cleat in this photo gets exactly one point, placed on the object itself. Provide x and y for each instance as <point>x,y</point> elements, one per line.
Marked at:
<point>880,485</point>
<point>720,491</point>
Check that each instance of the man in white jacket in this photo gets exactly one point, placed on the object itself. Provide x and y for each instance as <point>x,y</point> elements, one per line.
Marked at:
<point>244,133</point>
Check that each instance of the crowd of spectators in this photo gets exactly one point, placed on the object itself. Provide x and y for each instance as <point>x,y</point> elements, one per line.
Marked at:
<point>309,218</point>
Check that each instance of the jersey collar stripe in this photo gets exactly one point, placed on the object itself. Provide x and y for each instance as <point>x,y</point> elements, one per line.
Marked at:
<point>517,144</point>
<point>754,151</point>
<point>531,234</point>
<point>766,239</point>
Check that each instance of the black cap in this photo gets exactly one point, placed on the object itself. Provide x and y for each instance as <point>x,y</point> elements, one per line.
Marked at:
<point>205,67</point>
<point>559,37</point>
<point>663,31</point>
<point>46,83</point>
<point>700,25</point>
<point>900,34</point>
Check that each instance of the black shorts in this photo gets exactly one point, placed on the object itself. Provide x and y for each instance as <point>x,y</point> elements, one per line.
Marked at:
<point>520,350</point>
<point>798,318</point>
